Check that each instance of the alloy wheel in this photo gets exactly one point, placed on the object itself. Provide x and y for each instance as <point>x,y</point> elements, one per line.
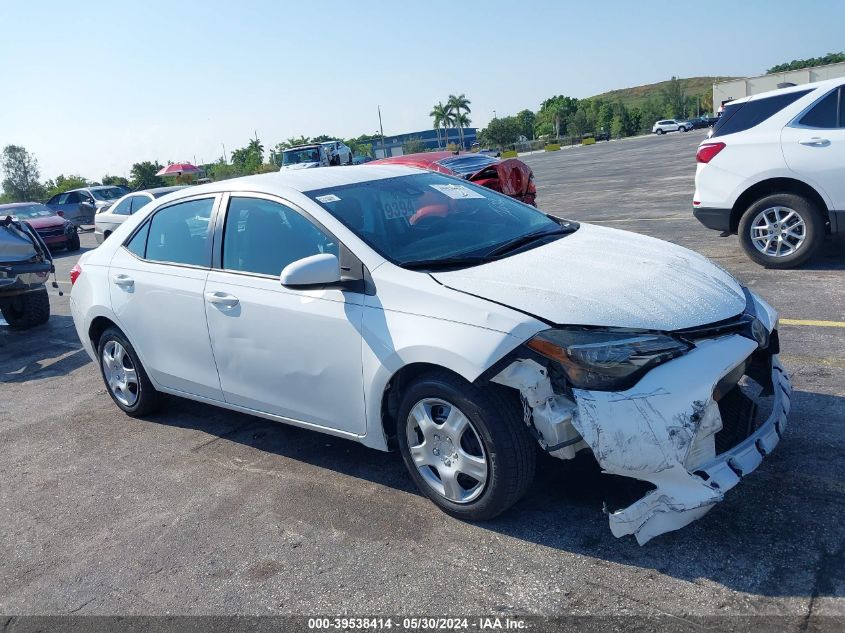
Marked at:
<point>121,375</point>
<point>447,450</point>
<point>778,231</point>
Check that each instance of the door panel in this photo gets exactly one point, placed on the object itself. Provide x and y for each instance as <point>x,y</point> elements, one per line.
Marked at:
<point>288,353</point>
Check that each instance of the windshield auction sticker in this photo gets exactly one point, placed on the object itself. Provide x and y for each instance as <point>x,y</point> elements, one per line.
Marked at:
<point>328,198</point>
<point>457,192</point>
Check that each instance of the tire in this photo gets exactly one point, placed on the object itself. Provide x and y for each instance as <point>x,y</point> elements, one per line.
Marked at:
<point>146,399</point>
<point>494,434</point>
<point>682,129</point>
<point>27,310</point>
<point>349,162</point>
<point>73,242</point>
<point>769,209</point>
<point>659,131</point>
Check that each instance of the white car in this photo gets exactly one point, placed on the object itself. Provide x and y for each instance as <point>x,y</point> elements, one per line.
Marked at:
<point>670,125</point>
<point>773,171</point>
<point>338,152</point>
<point>107,220</point>
<point>304,157</point>
<point>409,309</point>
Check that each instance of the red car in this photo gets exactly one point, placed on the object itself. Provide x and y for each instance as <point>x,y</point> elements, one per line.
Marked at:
<point>53,229</point>
<point>511,177</point>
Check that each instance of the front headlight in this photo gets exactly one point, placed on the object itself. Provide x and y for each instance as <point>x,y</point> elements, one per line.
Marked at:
<point>606,360</point>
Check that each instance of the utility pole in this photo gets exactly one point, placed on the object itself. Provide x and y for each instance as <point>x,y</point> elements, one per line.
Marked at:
<point>381,130</point>
<point>225,160</point>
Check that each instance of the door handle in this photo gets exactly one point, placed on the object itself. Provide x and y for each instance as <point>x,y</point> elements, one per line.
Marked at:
<point>815,141</point>
<point>221,299</point>
<point>123,280</point>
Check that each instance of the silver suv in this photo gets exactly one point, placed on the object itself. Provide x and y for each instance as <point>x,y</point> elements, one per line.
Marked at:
<point>671,125</point>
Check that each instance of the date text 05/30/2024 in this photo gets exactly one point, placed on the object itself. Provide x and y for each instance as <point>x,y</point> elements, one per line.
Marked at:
<point>417,624</point>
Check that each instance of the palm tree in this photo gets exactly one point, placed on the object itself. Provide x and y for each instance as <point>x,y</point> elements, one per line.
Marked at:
<point>457,105</point>
<point>439,113</point>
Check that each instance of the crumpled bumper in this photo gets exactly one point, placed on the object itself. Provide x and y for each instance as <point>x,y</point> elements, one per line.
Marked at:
<point>682,496</point>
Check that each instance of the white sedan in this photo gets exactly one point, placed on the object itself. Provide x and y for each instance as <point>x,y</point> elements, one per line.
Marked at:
<point>107,220</point>
<point>411,310</point>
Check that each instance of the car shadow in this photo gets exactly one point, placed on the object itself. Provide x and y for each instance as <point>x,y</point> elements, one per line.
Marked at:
<point>62,253</point>
<point>830,257</point>
<point>44,351</point>
<point>778,534</point>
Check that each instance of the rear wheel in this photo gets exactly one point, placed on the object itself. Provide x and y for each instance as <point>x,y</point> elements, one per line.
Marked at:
<point>659,130</point>
<point>27,310</point>
<point>125,378</point>
<point>781,230</point>
<point>466,448</point>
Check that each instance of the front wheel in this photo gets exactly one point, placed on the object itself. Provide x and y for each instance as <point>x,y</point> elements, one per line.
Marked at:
<point>781,230</point>
<point>126,380</point>
<point>466,448</point>
<point>72,243</point>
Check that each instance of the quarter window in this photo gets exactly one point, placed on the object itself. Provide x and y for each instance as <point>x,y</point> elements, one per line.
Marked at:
<point>826,113</point>
<point>178,234</point>
<point>138,243</point>
<point>263,237</point>
<point>122,207</point>
<point>138,202</point>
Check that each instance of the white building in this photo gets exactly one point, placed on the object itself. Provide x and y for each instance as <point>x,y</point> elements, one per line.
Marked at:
<point>729,90</point>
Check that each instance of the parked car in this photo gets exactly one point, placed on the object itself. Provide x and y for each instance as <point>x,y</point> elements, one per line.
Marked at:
<point>25,265</point>
<point>80,205</point>
<point>671,125</point>
<point>54,230</point>
<point>360,159</point>
<point>338,152</point>
<point>511,177</point>
<point>410,309</point>
<point>304,157</point>
<point>106,221</point>
<point>702,122</point>
<point>773,171</point>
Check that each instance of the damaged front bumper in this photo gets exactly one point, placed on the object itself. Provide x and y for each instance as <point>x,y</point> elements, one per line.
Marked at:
<point>687,427</point>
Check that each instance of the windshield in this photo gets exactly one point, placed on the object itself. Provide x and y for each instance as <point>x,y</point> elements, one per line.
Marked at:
<point>29,211</point>
<point>296,156</point>
<point>430,217</point>
<point>109,193</point>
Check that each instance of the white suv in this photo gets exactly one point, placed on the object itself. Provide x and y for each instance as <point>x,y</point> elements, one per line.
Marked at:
<point>773,171</point>
<point>339,153</point>
<point>671,125</point>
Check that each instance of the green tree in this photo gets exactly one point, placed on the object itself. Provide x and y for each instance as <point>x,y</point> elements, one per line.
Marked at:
<point>500,132</point>
<point>143,175</point>
<point>796,64</point>
<point>526,119</point>
<point>413,146</point>
<point>553,114</point>
<point>441,116</point>
<point>20,175</point>
<point>674,98</point>
<point>115,180</point>
<point>457,105</point>
<point>605,116</point>
<point>577,124</point>
<point>64,183</point>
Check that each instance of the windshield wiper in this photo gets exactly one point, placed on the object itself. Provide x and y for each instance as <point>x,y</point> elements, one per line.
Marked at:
<point>524,240</point>
<point>463,261</point>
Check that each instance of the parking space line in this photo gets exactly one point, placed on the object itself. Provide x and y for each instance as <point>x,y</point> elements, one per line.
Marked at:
<point>812,323</point>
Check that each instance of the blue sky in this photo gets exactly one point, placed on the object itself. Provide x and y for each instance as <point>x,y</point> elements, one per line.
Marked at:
<point>91,87</point>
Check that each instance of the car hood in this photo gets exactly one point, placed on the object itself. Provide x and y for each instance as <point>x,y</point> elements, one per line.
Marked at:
<point>607,277</point>
<point>46,222</point>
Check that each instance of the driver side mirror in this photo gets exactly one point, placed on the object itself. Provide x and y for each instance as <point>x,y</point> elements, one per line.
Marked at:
<point>316,270</point>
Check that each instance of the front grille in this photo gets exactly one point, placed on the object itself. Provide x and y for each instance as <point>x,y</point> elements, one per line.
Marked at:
<point>738,413</point>
<point>52,232</point>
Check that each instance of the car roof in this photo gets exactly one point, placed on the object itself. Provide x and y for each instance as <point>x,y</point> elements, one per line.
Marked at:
<point>161,190</point>
<point>308,146</point>
<point>823,85</point>
<point>300,180</point>
<point>94,188</point>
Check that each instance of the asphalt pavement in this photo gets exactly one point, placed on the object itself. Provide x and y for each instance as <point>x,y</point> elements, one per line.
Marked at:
<point>197,510</point>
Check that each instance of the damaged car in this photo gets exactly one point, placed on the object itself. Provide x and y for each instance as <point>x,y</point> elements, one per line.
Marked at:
<point>417,311</point>
<point>25,265</point>
<point>511,176</point>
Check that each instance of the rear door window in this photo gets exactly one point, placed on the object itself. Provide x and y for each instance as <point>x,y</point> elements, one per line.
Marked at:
<point>122,207</point>
<point>178,234</point>
<point>826,113</point>
<point>744,116</point>
<point>138,202</point>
